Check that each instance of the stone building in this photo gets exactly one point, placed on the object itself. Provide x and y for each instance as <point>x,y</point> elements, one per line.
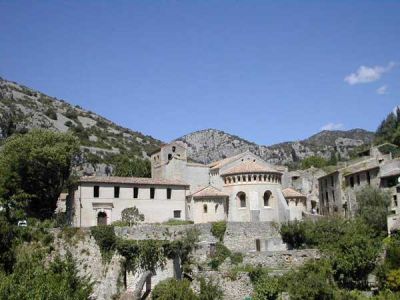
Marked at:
<point>242,188</point>
<point>338,189</point>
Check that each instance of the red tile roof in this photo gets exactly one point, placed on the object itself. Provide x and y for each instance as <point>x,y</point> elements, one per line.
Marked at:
<point>249,167</point>
<point>209,191</point>
<point>131,180</point>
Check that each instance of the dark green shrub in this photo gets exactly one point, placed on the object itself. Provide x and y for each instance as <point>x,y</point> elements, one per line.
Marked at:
<point>294,233</point>
<point>51,113</point>
<point>172,289</point>
<point>105,239</point>
<point>257,273</point>
<point>267,288</point>
<point>218,230</point>
<point>236,258</point>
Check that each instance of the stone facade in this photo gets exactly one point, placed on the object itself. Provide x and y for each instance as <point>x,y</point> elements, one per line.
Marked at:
<point>242,188</point>
<point>337,190</point>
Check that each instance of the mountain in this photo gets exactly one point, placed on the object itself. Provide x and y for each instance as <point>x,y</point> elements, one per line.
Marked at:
<point>22,109</point>
<point>210,145</point>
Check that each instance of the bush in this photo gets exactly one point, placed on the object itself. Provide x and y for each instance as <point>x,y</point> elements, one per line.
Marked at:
<point>51,113</point>
<point>294,234</point>
<point>218,230</point>
<point>172,289</point>
<point>105,239</point>
<point>311,281</point>
<point>173,222</point>
<point>210,290</point>
<point>267,288</point>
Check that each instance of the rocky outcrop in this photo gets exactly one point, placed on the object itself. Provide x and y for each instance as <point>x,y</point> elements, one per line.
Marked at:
<point>210,145</point>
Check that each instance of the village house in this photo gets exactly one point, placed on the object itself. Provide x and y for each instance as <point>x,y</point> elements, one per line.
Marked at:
<point>242,188</point>
<point>375,167</point>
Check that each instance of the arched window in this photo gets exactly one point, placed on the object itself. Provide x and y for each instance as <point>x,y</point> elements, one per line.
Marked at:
<point>267,196</point>
<point>205,208</point>
<point>101,218</point>
<point>242,199</point>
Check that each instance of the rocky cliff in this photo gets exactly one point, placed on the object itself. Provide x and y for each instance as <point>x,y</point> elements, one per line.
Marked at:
<point>22,109</point>
<point>211,145</point>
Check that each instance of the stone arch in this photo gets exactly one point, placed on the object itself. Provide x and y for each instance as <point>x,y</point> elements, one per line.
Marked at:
<point>101,218</point>
<point>242,201</point>
<point>267,197</point>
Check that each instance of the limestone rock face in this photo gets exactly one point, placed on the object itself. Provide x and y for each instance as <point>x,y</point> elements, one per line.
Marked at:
<point>210,145</point>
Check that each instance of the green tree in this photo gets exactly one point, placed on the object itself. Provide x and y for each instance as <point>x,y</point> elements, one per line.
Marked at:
<point>33,170</point>
<point>389,129</point>
<point>34,279</point>
<point>132,216</point>
<point>267,288</point>
<point>373,205</point>
<point>126,166</point>
<point>313,161</point>
<point>210,290</point>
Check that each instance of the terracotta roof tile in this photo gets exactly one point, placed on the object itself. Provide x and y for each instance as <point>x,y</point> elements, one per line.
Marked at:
<point>249,167</point>
<point>291,193</point>
<point>220,163</point>
<point>209,191</point>
<point>131,180</point>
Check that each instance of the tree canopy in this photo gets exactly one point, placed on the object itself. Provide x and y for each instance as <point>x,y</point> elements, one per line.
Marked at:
<point>33,170</point>
<point>389,129</point>
<point>126,166</point>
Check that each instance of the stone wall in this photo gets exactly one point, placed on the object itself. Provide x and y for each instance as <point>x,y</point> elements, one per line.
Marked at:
<point>89,263</point>
<point>241,237</point>
<point>281,260</point>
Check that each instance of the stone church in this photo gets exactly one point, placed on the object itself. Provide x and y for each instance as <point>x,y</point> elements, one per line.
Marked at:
<point>241,188</point>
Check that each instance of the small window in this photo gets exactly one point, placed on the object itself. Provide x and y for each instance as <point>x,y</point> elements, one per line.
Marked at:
<point>96,191</point>
<point>177,214</point>
<point>242,199</point>
<point>358,179</point>
<point>116,191</point>
<point>169,156</point>
<point>352,181</point>
<point>169,193</point>
<point>135,192</point>
<point>173,148</point>
<point>368,177</point>
<point>332,181</point>
<point>267,196</point>
<point>152,192</point>
<point>205,208</point>
<point>258,245</point>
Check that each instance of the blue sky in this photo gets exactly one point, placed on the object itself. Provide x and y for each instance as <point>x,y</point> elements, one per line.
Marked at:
<point>266,71</point>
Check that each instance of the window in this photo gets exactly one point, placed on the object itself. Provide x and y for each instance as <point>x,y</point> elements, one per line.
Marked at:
<point>205,208</point>
<point>169,156</point>
<point>96,191</point>
<point>267,196</point>
<point>358,179</point>
<point>116,191</point>
<point>242,199</point>
<point>332,181</point>
<point>169,192</point>
<point>216,207</point>
<point>368,177</point>
<point>258,245</point>
<point>135,192</point>
<point>352,181</point>
<point>152,192</point>
<point>173,148</point>
<point>177,214</point>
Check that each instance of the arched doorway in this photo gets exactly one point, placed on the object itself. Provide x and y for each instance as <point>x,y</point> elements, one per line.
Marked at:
<point>241,199</point>
<point>101,218</point>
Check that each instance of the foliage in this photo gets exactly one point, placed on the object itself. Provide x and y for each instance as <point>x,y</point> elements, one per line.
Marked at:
<point>351,246</point>
<point>293,233</point>
<point>218,230</point>
<point>172,289</point>
<point>393,280</point>
<point>373,204</point>
<point>132,216</point>
<point>210,290</point>
<point>391,264</point>
<point>31,279</point>
<point>105,239</point>
<point>33,170</point>
<point>131,167</point>
<point>257,273</point>
<point>7,245</point>
<point>222,253</point>
<point>267,288</point>
<point>173,222</point>
<point>389,129</point>
<point>311,281</point>
<point>51,113</point>
<point>314,161</point>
